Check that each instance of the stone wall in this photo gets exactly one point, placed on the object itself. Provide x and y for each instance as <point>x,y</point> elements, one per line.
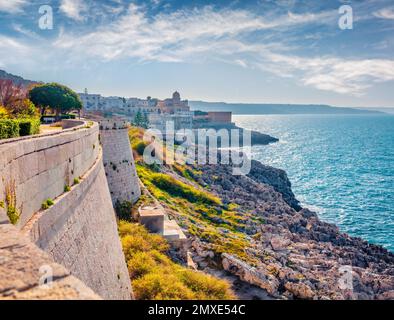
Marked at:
<point>119,161</point>
<point>24,267</point>
<point>79,231</point>
<point>38,168</point>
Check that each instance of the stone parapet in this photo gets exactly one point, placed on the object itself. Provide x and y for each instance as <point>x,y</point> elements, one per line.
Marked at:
<point>25,271</point>
<point>38,168</point>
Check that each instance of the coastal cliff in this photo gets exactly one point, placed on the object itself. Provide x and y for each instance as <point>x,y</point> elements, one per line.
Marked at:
<point>252,231</point>
<point>299,255</point>
<point>257,138</point>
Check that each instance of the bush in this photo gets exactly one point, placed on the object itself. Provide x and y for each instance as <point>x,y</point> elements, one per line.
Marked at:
<point>28,127</point>
<point>13,215</point>
<point>12,128</point>
<point>25,109</point>
<point>76,181</point>
<point>123,210</point>
<point>46,204</point>
<point>139,147</point>
<point>160,286</point>
<point>9,128</point>
<point>156,277</point>
<point>4,114</point>
<point>206,286</point>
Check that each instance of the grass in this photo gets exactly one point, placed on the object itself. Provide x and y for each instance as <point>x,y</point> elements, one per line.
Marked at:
<point>200,212</point>
<point>155,276</point>
<point>182,190</point>
<point>10,200</point>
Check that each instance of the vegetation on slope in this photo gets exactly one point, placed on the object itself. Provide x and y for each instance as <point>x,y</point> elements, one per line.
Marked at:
<point>196,209</point>
<point>155,276</point>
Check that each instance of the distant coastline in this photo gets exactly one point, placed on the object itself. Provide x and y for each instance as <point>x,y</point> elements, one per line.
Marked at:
<point>250,108</point>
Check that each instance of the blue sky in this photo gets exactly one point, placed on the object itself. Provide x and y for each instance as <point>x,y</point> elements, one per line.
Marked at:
<point>284,51</point>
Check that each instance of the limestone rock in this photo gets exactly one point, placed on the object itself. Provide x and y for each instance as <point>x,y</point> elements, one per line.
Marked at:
<point>300,290</point>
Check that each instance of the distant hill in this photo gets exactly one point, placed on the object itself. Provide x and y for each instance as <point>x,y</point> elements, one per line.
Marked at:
<point>247,108</point>
<point>389,110</point>
<point>16,79</point>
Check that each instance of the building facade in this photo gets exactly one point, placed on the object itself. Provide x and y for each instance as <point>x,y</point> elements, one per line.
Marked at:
<point>158,112</point>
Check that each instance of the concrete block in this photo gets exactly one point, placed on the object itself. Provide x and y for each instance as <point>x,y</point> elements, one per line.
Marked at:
<point>152,218</point>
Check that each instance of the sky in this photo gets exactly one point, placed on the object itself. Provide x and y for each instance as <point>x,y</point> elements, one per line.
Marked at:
<point>261,51</point>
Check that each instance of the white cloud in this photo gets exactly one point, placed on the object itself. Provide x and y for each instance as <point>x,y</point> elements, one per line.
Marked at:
<point>332,73</point>
<point>202,34</point>
<point>386,13</point>
<point>11,6</point>
<point>21,53</point>
<point>172,36</point>
<point>73,9</point>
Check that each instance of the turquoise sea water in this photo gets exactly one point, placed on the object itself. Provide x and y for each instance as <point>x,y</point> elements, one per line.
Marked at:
<point>341,166</point>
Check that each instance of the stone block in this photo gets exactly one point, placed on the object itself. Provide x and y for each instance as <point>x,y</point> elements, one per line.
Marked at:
<point>152,218</point>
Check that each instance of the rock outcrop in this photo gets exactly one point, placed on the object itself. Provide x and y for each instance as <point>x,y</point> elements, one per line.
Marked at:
<point>257,138</point>
<point>298,256</point>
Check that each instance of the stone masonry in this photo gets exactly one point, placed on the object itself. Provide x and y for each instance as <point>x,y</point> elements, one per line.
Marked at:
<point>78,232</point>
<point>119,161</point>
<point>23,267</point>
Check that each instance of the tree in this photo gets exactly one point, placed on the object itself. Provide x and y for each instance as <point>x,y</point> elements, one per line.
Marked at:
<point>145,121</point>
<point>141,120</point>
<point>55,96</point>
<point>138,119</point>
<point>25,109</point>
<point>10,94</point>
<point>14,100</point>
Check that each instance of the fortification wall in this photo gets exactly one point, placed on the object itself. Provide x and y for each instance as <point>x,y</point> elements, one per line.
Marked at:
<point>23,268</point>
<point>79,231</point>
<point>119,161</point>
<point>39,167</point>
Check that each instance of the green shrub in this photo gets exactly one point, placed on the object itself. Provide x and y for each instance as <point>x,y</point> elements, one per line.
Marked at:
<point>9,128</point>
<point>139,147</point>
<point>12,128</point>
<point>76,181</point>
<point>13,214</point>
<point>123,210</point>
<point>67,188</point>
<point>10,199</point>
<point>46,204</point>
<point>28,127</point>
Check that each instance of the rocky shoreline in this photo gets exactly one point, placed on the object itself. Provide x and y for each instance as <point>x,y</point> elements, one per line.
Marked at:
<point>257,138</point>
<point>297,255</point>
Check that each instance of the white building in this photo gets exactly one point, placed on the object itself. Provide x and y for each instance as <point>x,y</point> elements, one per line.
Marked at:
<point>181,120</point>
<point>158,112</point>
<point>91,101</point>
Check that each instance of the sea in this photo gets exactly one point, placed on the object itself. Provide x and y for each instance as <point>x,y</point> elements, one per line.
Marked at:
<point>340,166</point>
